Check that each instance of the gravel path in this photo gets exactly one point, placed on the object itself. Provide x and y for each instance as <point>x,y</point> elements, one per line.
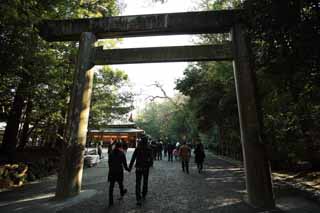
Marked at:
<point>219,189</point>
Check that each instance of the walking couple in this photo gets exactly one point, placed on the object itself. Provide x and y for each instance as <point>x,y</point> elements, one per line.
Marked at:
<point>142,157</point>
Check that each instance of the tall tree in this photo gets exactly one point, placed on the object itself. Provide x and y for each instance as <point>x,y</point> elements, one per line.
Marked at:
<point>111,97</point>
<point>31,67</point>
<point>283,35</point>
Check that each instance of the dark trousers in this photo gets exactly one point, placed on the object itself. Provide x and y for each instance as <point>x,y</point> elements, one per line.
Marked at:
<point>141,173</point>
<point>200,166</point>
<point>159,155</point>
<point>170,156</point>
<point>185,165</point>
<point>111,186</point>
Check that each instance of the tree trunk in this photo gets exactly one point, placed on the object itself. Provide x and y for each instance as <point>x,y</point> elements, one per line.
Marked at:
<point>10,137</point>
<point>70,173</point>
<point>51,135</point>
<point>256,163</point>
<point>25,129</point>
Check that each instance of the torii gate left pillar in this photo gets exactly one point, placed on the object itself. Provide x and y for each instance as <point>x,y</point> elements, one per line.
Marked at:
<point>70,173</point>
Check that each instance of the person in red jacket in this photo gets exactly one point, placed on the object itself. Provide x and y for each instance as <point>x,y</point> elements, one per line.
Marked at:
<point>185,154</point>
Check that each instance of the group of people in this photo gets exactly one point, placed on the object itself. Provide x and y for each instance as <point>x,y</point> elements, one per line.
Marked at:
<point>143,158</point>
<point>182,151</point>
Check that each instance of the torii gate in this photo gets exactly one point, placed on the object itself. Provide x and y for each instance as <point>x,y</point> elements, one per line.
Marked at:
<point>257,168</point>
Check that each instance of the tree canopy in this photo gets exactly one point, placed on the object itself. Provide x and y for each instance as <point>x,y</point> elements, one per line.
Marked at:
<point>36,76</point>
<point>283,37</point>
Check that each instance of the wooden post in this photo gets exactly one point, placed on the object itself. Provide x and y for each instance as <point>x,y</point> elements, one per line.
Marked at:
<point>70,173</point>
<point>256,163</point>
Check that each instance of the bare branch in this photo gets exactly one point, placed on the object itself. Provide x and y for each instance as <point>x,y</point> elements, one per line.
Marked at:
<point>153,98</point>
<point>165,95</point>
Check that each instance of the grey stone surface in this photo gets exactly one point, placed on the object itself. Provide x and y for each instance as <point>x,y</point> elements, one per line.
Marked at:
<point>219,189</point>
<point>218,21</point>
<point>164,54</point>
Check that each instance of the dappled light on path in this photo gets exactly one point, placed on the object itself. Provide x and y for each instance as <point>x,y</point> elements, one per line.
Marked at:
<point>35,198</point>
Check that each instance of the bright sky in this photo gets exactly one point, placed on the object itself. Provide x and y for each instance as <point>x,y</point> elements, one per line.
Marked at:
<point>143,75</point>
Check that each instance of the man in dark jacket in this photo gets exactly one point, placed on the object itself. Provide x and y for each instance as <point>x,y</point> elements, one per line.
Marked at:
<point>159,150</point>
<point>117,161</point>
<point>170,148</point>
<point>199,156</point>
<point>143,157</point>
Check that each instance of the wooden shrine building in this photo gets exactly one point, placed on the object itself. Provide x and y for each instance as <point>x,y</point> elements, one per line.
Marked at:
<point>127,132</point>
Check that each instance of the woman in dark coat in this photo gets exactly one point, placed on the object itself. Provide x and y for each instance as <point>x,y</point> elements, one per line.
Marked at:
<point>143,159</point>
<point>117,161</point>
<point>199,156</point>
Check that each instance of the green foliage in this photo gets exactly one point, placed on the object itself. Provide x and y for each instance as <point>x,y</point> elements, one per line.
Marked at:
<point>210,86</point>
<point>167,119</point>
<point>212,103</point>
<point>149,120</point>
<point>44,70</point>
<point>109,99</point>
<point>283,37</point>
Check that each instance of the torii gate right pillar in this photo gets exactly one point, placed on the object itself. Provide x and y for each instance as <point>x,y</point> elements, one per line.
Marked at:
<point>256,163</point>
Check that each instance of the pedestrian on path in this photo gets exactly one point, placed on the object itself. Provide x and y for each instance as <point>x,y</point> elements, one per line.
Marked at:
<point>175,153</point>
<point>185,154</point>
<point>165,148</point>
<point>142,156</point>
<point>100,150</point>
<point>110,146</point>
<point>199,156</point>
<point>117,161</point>
<point>153,147</point>
<point>170,151</point>
<point>124,146</point>
<point>159,150</point>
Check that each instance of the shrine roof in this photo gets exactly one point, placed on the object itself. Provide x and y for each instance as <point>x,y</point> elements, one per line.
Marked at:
<point>117,130</point>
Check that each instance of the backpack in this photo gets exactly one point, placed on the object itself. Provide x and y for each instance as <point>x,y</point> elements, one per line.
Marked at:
<point>184,151</point>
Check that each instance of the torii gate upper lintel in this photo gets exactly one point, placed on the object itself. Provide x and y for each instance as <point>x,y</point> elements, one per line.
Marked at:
<point>141,25</point>
<point>258,177</point>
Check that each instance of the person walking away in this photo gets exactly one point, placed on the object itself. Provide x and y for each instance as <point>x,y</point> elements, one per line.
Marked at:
<point>110,146</point>
<point>185,154</point>
<point>100,151</point>
<point>170,151</point>
<point>176,150</point>
<point>175,153</point>
<point>178,145</point>
<point>124,146</point>
<point>143,159</point>
<point>165,148</point>
<point>159,150</point>
<point>117,161</point>
<point>154,149</point>
<point>199,156</point>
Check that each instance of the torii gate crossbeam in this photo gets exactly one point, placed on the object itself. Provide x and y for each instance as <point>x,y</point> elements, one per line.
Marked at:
<point>140,25</point>
<point>256,163</point>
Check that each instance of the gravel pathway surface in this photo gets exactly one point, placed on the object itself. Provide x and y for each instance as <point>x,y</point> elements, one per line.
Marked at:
<point>219,189</point>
